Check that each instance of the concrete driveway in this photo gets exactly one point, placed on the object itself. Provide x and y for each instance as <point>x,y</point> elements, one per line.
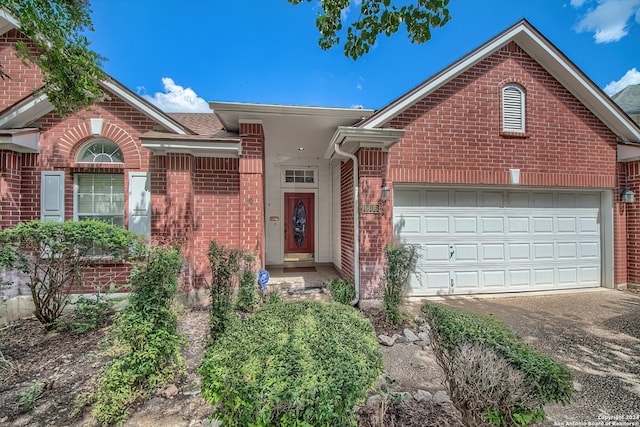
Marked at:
<point>596,334</point>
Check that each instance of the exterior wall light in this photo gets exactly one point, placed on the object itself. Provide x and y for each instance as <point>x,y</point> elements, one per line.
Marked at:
<point>627,196</point>
<point>384,193</point>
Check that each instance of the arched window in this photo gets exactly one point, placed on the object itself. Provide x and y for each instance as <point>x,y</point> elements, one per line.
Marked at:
<point>100,195</point>
<point>513,113</point>
<point>100,151</point>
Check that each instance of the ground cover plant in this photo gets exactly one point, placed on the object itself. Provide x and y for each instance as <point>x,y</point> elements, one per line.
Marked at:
<point>54,255</point>
<point>292,364</point>
<point>342,291</point>
<point>146,341</point>
<point>493,377</point>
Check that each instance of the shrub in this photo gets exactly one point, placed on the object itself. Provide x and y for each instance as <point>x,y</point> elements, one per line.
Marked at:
<point>342,291</point>
<point>400,262</point>
<point>55,255</point>
<point>88,314</point>
<point>292,364</point>
<point>224,265</point>
<point>146,340</point>
<point>248,296</point>
<point>493,377</point>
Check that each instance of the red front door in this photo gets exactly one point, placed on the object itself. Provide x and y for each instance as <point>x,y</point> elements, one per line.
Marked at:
<point>298,223</point>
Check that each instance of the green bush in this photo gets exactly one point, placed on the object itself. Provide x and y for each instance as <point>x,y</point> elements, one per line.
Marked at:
<point>88,314</point>
<point>342,291</point>
<point>225,264</point>
<point>543,379</point>
<point>146,339</point>
<point>55,254</point>
<point>248,296</point>
<point>292,364</point>
<point>400,262</point>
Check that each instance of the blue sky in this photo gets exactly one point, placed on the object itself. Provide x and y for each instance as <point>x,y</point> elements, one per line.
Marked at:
<point>181,54</point>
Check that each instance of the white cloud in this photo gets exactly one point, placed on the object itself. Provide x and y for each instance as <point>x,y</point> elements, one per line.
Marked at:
<point>177,99</point>
<point>357,106</point>
<point>609,21</point>
<point>344,13</point>
<point>632,77</point>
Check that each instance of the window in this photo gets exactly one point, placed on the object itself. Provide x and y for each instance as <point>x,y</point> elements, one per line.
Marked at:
<point>101,197</point>
<point>98,195</point>
<point>513,108</point>
<point>100,151</point>
<point>300,176</point>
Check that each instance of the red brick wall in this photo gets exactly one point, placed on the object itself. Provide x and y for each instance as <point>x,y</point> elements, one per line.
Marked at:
<point>454,135</point>
<point>346,219</point>
<point>628,216</point>
<point>252,188</point>
<point>10,169</point>
<point>24,80</point>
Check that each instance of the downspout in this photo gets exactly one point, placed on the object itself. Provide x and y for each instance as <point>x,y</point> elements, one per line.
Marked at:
<point>356,222</point>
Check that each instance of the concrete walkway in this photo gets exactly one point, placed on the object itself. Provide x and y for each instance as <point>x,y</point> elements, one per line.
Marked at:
<point>596,334</point>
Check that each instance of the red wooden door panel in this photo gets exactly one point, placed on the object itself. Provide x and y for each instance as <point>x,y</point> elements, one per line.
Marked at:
<point>298,222</point>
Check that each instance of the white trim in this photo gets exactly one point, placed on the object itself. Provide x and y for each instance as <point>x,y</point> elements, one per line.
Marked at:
<point>231,149</point>
<point>7,21</point>
<point>25,112</point>
<point>303,186</point>
<point>23,142</point>
<point>607,240</point>
<point>352,139</point>
<point>142,106</point>
<point>513,108</point>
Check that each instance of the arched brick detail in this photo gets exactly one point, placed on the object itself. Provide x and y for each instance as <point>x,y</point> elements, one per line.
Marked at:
<point>75,138</point>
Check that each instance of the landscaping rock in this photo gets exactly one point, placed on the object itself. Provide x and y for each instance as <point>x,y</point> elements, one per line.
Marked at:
<point>170,391</point>
<point>424,336</point>
<point>400,396</point>
<point>441,397</point>
<point>422,396</point>
<point>374,401</point>
<point>386,341</point>
<point>410,335</point>
<point>399,339</point>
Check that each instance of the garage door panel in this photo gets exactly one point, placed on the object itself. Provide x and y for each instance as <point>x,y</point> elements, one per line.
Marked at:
<point>466,279</point>
<point>568,251</point>
<point>437,224</point>
<point>518,225</point>
<point>466,253</point>
<point>494,279</point>
<point>493,252</point>
<point>492,225</point>
<point>519,251</point>
<point>465,225</point>
<point>543,225</point>
<point>520,278</point>
<point>543,251</point>
<point>567,225</point>
<point>501,240</point>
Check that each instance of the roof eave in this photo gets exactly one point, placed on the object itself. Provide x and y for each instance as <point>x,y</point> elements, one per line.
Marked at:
<point>225,148</point>
<point>352,139</point>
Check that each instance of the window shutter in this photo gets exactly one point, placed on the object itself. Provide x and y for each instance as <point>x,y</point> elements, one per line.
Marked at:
<point>512,109</point>
<point>140,203</point>
<point>52,196</point>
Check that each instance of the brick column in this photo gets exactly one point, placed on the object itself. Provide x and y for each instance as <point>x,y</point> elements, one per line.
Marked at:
<point>10,170</point>
<point>252,228</point>
<point>375,227</point>
<point>627,226</point>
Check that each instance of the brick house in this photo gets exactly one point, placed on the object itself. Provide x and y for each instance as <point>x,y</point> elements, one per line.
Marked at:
<point>506,169</point>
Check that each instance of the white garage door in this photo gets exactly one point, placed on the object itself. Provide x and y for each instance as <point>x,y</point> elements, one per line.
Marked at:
<point>482,241</point>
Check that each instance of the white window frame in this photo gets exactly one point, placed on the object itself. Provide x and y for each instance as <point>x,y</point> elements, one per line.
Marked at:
<point>304,170</point>
<point>76,188</point>
<point>513,108</point>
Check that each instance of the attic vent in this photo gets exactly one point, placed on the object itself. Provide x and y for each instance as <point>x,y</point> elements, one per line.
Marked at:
<point>512,108</point>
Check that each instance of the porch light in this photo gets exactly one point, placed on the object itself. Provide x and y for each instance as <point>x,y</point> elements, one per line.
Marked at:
<point>627,196</point>
<point>384,194</point>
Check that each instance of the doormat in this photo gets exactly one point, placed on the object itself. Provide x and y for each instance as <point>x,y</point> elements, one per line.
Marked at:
<point>299,270</point>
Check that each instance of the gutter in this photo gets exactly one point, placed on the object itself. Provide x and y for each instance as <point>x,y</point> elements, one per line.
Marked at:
<point>356,222</point>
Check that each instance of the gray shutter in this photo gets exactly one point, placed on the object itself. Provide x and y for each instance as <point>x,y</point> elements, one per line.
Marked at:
<point>52,196</point>
<point>512,109</point>
<point>140,203</point>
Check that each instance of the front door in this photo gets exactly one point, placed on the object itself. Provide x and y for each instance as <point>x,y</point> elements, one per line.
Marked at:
<point>298,225</point>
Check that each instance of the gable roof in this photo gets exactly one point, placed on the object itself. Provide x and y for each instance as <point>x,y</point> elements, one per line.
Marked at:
<point>629,99</point>
<point>547,55</point>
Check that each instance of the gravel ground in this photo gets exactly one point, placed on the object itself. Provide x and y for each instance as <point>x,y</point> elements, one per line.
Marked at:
<point>596,334</point>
